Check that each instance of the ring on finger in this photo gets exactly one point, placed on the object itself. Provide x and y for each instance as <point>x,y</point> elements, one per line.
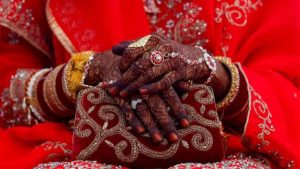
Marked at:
<point>157,58</point>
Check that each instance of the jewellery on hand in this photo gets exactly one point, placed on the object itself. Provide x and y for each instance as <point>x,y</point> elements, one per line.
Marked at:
<point>157,58</point>
<point>135,102</point>
<point>75,71</point>
<point>206,58</point>
<point>210,62</point>
<point>32,95</point>
<point>235,83</point>
<point>51,96</point>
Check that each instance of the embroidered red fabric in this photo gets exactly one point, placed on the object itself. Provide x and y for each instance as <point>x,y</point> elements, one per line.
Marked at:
<point>101,133</point>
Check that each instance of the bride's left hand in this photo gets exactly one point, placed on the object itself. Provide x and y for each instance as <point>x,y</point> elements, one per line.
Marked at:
<point>160,63</point>
<point>153,64</point>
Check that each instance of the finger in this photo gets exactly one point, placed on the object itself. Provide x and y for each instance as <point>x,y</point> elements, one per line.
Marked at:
<point>120,48</point>
<point>136,49</point>
<point>145,115</point>
<point>132,119</point>
<point>144,78</point>
<point>172,100</point>
<point>159,110</point>
<point>131,74</point>
<point>183,86</point>
<point>162,84</point>
<point>139,68</point>
<point>129,56</point>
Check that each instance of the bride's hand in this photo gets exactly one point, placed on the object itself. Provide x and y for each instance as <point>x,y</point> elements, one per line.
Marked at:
<point>147,114</point>
<point>153,64</point>
<point>150,112</point>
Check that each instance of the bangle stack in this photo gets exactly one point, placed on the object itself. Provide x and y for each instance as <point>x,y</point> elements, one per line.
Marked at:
<point>32,95</point>
<point>235,83</point>
<point>51,96</point>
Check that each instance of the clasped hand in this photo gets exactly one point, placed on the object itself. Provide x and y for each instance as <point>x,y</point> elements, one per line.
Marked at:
<point>151,68</point>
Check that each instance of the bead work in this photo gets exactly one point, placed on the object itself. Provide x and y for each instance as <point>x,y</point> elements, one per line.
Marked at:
<point>19,19</point>
<point>201,140</point>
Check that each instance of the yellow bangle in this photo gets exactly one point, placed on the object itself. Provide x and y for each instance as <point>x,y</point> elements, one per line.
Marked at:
<point>74,72</point>
<point>235,83</point>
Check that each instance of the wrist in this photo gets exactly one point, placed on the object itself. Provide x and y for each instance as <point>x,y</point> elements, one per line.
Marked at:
<point>220,82</point>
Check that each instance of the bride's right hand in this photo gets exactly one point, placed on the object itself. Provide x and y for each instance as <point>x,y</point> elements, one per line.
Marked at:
<point>147,114</point>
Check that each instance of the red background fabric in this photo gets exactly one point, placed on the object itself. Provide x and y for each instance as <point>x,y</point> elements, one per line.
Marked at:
<point>268,48</point>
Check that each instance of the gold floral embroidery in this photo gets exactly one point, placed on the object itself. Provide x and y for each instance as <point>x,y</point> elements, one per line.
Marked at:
<point>264,146</point>
<point>239,160</point>
<point>236,13</point>
<point>76,164</point>
<point>59,149</point>
<point>201,140</point>
<point>179,22</point>
<point>262,111</point>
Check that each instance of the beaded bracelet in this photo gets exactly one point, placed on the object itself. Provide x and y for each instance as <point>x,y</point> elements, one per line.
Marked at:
<point>235,83</point>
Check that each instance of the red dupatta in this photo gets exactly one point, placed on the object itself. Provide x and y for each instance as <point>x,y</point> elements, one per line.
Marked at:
<point>264,37</point>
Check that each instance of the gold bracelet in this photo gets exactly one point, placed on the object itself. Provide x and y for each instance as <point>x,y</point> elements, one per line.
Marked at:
<point>74,73</point>
<point>235,83</point>
<point>32,95</point>
<point>51,96</point>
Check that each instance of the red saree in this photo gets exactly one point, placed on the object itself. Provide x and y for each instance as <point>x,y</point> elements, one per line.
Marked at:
<point>262,35</point>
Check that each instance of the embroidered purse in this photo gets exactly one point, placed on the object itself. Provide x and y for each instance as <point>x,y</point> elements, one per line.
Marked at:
<point>101,133</point>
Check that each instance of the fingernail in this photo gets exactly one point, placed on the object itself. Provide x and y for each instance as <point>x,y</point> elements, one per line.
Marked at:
<point>140,130</point>
<point>143,91</point>
<point>184,122</point>
<point>123,93</point>
<point>113,91</point>
<point>157,137</point>
<point>173,137</point>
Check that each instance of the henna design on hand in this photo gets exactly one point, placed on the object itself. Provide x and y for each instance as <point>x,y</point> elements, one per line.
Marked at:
<point>130,116</point>
<point>171,98</point>
<point>159,110</point>
<point>132,54</point>
<point>137,69</point>
<point>104,67</point>
<point>153,79</point>
<point>144,114</point>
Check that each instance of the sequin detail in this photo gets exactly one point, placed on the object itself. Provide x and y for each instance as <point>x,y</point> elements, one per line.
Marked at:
<point>15,16</point>
<point>201,138</point>
<point>180,21</point>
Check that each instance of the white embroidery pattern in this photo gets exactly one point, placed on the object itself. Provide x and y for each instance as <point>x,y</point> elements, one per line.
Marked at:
<point>236,13</point>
